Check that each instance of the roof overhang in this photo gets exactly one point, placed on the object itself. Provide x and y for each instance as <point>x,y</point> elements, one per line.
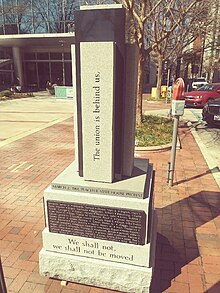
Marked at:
<point>33,40</point>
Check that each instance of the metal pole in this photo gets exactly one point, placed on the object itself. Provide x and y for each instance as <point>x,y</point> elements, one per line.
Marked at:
<point>63,68</point>
<point>173,151</point>
<point>168,81</point>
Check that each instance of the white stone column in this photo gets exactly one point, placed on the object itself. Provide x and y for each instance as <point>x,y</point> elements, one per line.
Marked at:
<point>19,74</point>
<point>75,105</point>
<point>97,95</point>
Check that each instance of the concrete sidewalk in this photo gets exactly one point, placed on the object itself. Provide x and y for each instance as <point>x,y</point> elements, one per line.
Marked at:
<point>21,117</point>
<point>188,244</point>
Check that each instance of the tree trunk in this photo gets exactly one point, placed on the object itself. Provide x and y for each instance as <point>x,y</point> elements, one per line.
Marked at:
<point>159,76</point>
<point>178,67</point>
<point>140,77</point>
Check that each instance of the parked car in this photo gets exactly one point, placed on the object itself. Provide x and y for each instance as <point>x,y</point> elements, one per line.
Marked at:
<point>211,112</point>
<point>192,84</point>
<point>198,83</point>
<point>204,94</point>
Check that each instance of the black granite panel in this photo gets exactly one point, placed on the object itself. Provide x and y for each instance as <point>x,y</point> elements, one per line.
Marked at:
<point>106,223</point>
<point>101,25</point>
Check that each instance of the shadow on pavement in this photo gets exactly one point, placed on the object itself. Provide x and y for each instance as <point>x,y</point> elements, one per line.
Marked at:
<point>210,171</point>
<point>177,244</point>
<point>214,289</point>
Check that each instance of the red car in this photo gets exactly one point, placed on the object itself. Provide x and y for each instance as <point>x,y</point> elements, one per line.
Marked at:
<point>204,94</point>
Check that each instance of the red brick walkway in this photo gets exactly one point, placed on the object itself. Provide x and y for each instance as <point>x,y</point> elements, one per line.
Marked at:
<point>188,245</point>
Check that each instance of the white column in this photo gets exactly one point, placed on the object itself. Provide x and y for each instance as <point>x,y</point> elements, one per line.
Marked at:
<point>97,96</point>
<point>19,74</point>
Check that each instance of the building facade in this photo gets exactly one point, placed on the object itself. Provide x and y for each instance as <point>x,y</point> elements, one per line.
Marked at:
<point>211,56</point>
<point>36,16</point>
<point>35,40</point>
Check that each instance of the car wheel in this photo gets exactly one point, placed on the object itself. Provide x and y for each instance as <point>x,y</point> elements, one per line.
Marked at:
<point>210,120</point>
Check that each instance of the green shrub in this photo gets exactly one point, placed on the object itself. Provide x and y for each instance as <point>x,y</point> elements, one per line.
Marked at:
<point>6,93</point>
<point>154,131</point>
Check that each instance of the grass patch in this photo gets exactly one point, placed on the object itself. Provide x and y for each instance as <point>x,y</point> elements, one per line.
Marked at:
<point>154,131</point>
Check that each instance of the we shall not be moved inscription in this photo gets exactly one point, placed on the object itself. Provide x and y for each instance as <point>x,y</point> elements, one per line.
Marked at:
<point>97,222</point>
<point>95,248</point>
<point>97,99</point>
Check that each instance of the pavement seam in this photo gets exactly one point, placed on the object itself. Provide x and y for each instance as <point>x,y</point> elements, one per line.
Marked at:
<point>26,133</point>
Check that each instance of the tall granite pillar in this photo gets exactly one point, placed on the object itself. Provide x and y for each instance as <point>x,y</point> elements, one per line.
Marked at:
<point>99,213</point>
<point>102,104</point>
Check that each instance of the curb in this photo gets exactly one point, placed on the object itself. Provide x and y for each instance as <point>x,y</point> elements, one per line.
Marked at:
<point>207,156</point>
<point>164,147</point>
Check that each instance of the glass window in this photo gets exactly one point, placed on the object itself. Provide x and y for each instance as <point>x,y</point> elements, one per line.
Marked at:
<point>67,56</point>
<point>43,73</point>
<point>11,29</point>
<point>8,53</point>
<point>31,74</point>
<point>55,56</point>
<point>40,27</point>
<point>29,56</point>
<point>56,27</point>
<point>208,88</point>
<point>1,54</point>
<point>68,73</point>
<point>56,72</point>
<point>43,56</point>
<point>5,80</point>
<point>26,28</point>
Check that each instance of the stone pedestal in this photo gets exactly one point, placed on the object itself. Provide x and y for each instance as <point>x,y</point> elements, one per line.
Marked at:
<point>98,229</point>
<point>95,272</point>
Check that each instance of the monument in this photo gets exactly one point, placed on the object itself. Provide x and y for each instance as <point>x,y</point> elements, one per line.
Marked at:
<point>99,214</point>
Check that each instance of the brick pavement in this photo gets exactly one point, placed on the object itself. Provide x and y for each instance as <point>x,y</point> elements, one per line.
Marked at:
<point>187,253</point>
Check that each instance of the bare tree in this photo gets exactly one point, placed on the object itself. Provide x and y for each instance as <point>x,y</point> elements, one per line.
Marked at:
<point>17,16</point>
<point>212,40</point>
<point>55,15</point>
<point>153,22</point>
<point>189,30</point>
<point>31,16</point>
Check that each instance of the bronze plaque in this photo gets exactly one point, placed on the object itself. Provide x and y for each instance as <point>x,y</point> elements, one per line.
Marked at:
<point>106,223</point>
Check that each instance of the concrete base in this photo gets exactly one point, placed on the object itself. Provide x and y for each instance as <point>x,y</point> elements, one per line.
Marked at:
<point>136,186</point>
<point>94,272</point>
<point>134,255</point>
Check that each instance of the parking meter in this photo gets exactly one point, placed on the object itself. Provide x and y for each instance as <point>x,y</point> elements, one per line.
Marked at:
<point>177,109</point>
<point>178,102</point>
